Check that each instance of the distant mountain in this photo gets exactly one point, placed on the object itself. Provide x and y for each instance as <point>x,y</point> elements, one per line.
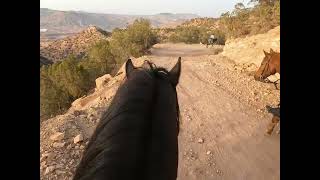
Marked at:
<point>76,44</point>
<point>53,22</point>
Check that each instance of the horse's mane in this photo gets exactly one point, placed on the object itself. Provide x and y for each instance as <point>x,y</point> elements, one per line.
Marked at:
<point>163,73</point>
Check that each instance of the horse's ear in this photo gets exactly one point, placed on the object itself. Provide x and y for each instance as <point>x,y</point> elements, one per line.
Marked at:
<point>271,51</point>
<point>129,67</point>
<point>265,53</point>
<point>175,73</point>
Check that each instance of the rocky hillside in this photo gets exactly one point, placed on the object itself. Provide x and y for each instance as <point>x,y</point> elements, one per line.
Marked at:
<point>212,23</point>
<point>60,22</point>
<point>77,44</point>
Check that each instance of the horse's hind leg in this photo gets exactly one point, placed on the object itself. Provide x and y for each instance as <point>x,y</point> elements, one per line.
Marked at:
<point>272,124</point>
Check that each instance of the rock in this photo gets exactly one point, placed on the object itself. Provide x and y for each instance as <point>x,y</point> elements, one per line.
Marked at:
<point>81,147</point>
<point>200,140</point>
<point>76,113</point>
<point>60,172</point>
<point>49,169</point>
<point>78,138</point>
<point>48,156</point>
<point>101,81</point>
<point>69,146</point>
<point>43,165</point>
<point>208,152</point>
<point>58,145</point>
<point>59,166</point>
<point>57,136</point>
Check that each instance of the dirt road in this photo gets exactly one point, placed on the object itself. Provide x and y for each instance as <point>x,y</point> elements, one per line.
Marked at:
<point>223,118</point>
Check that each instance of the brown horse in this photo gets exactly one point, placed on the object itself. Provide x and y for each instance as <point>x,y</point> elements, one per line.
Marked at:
<point>270,65</point>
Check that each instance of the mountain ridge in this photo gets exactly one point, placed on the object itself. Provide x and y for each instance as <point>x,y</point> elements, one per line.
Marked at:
<point>62,22</point>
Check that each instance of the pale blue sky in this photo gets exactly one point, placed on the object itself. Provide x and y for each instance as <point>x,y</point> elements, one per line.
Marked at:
<point>212,8</point>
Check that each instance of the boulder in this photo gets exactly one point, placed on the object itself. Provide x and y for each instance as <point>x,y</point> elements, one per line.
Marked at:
<point>101,81</point>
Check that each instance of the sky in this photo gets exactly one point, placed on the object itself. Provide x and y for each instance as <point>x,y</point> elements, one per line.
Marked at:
<point>205,8</point>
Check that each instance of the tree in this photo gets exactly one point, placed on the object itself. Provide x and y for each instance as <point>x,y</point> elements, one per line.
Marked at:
<point>100,58</point>
<point>52,99</point>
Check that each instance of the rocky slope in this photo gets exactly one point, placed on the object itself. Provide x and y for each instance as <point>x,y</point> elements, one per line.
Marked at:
<point>212,23</point>
<point>77,44</point>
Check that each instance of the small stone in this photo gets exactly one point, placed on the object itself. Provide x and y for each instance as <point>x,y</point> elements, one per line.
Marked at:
<point>78,139</point>
<point>76,113</point>
<point>58,145</point>
<point>42,158</point>
<point>48,156</point>
<point>60,172</point>
<point>218,171</point>
<point>69,146</point>
<point>43,165</point>
<point>200,140</point>
<point>208,152</point>
<point>49,169</point>
<point>57,136</point>
<point>59,166</point>
<point>81,147</point>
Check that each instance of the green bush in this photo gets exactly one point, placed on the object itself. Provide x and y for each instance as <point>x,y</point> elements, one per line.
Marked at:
<point>195,35</point>
<point>134,41</point>
<point>99,60</point>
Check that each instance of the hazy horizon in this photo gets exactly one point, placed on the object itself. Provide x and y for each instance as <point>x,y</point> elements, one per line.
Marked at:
<point>204,8</point>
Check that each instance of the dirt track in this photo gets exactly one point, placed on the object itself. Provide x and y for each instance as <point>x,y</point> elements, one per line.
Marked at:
<point>226,109</point>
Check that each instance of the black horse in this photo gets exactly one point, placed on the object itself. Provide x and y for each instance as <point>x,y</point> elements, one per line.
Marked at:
<point>137,138</point>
